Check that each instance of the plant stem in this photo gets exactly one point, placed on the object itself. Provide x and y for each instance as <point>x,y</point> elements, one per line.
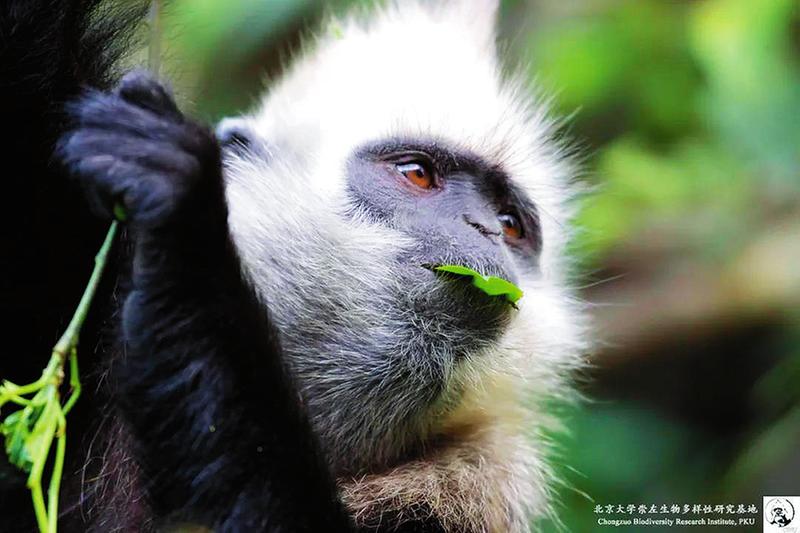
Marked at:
<point>69,340</point>
<point>74,382</point>
<point>50,423</point>
<point>35,477</point>
<point>55,478</point>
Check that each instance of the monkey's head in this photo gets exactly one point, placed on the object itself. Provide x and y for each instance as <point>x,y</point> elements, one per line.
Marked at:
<point>395,144</point>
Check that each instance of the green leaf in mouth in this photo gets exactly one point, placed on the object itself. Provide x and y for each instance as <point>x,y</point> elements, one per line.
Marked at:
<point>491,285</point>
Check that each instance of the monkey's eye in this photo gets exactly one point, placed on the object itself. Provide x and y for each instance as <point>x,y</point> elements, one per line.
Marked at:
<point>512,225</point>
<point>417,174</point>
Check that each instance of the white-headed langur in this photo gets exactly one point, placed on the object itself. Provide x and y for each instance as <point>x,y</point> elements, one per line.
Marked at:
<point>285,356</point>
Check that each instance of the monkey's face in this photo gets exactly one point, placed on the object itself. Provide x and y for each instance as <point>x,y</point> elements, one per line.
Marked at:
<point>378,157</point>
<point>456,208</point>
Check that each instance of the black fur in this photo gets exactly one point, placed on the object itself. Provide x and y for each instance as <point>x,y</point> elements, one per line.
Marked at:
<point>218,431</point>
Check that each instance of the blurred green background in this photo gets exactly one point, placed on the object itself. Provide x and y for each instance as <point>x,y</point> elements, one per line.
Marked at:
<point>688,115</point>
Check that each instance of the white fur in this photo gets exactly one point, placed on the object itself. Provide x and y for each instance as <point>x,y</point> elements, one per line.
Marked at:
<point>415,70</point>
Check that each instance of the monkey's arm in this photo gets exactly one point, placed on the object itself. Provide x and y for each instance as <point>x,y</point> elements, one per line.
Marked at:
<point>221,433</point>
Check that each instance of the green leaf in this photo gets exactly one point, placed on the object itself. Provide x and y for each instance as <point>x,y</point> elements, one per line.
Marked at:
<point>16,430</point>
<point>491,285</point>
<point>38,442</point>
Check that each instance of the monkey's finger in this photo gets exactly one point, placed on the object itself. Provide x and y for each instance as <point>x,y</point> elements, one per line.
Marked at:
<point>114,114</point>
<point>157,156</point>
<point>139,87</point>
<point>108,181</point>
<point>96,175</point>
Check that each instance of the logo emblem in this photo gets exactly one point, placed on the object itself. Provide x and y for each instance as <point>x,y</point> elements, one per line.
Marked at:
<point>779,512</point>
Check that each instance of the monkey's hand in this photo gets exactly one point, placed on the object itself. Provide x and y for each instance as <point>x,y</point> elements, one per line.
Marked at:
<point>133,148</point>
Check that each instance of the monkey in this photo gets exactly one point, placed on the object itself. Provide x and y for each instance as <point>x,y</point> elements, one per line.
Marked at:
<point>288,359</point>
